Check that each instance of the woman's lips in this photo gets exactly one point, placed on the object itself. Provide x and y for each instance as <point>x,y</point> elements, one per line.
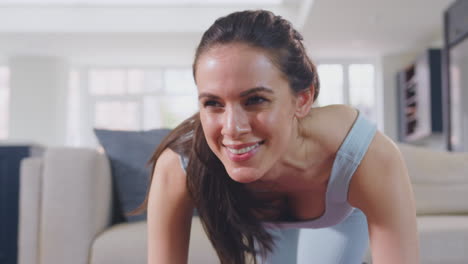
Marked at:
<point>240,146</point>
<point>242,152</point>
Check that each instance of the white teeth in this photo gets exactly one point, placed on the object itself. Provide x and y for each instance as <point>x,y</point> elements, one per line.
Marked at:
<point>243,150</point>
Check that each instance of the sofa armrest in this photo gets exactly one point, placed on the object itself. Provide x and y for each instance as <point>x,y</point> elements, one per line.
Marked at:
<point>76,203</point>
<point>29,210</point>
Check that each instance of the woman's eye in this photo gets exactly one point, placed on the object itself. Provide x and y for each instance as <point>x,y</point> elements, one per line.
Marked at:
<point>211,103</point>
<point>255,100</point>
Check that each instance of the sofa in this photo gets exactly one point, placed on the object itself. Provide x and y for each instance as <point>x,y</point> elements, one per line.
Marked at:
<point>66,210</point>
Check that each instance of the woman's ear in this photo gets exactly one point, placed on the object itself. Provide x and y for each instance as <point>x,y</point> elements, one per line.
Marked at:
<point>304,101</point>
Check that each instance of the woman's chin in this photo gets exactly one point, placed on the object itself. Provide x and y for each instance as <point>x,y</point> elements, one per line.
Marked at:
<point>243,179</point>
<point>244,175</point>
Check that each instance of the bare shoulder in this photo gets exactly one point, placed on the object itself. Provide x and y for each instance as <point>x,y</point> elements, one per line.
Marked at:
<point>169,198</point>
<point>169,172</point>
<point>382,155</point>
<point>331,124</point>
<point>170,210</point>
<point>382,189</point>
<point>336,121</point>
<point>168,159</point>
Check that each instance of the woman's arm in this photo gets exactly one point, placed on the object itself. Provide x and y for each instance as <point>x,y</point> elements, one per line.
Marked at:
<point>382,189</point>
<point>169,212</point>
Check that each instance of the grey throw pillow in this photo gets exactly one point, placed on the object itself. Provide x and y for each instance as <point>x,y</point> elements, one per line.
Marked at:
<point>128,153</point>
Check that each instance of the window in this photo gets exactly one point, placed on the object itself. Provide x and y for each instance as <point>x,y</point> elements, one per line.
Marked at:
<point>345,83</point>
<point>135,99</point>
<point>128,99</point>
<point>362,89</point>
<point>4,101</point>
<point>331,82</point>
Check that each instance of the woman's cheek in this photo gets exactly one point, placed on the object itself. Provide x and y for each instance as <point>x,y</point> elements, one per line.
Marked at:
<point>211,127</point>
<point>269,118</point>
<point>212,121</point>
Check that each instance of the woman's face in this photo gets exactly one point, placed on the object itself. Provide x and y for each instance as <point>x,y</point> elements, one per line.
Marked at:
<point>246,109</point>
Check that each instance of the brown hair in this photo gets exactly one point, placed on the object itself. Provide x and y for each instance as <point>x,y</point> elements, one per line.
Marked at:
<point>232,223</point>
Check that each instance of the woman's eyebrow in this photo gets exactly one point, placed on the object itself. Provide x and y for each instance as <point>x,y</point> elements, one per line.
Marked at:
<point>211,96</point>
<point>243,94</point>
<point>256,89</point>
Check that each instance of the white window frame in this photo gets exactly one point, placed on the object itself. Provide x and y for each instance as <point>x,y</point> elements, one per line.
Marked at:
<point>88,101</point>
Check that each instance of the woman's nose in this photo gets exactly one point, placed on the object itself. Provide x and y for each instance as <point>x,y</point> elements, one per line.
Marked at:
<point>236,122</point>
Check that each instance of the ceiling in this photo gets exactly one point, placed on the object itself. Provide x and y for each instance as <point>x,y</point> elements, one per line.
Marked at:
<point>370,27</point>
<point>331,28</point>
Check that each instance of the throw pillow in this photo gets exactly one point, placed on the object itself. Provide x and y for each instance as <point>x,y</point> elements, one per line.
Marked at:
<point>128,153</point>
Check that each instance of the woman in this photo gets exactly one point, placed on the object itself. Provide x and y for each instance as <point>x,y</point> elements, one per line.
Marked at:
<point>259,163</point>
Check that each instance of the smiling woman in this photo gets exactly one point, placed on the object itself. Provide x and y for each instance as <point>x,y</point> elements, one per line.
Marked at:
<point>248,118</point>
<point>270,176</point>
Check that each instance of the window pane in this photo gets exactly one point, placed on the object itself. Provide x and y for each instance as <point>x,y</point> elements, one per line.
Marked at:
<point>117,115</point>
<point>361,88</point>
<point>175,109</point>
<point>144,81</point>
<point>107,82</point>
<point>135,81</point>
<point>4,101</point>
<point>179,81</point>
<point>331,84</point>
<point>152,117</point>
<point>153,80</point>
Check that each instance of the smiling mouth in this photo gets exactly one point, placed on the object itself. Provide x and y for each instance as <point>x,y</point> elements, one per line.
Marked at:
<point>244,150</point>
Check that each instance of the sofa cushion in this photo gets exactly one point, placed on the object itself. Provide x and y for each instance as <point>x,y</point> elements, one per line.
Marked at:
<point>129,152</point>
<point>439,179</point>
<point>430,166</point>
<point>127,243</point>
<point>122,243</point>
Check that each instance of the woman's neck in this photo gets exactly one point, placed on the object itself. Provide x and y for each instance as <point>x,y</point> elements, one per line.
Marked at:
<point>304,165</point>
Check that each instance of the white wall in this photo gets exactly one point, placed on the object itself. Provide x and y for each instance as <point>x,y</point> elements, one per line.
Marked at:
<point>110,48</point>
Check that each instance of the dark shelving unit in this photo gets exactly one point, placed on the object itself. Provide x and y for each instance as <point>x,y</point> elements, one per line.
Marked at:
<point>419,89</point>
